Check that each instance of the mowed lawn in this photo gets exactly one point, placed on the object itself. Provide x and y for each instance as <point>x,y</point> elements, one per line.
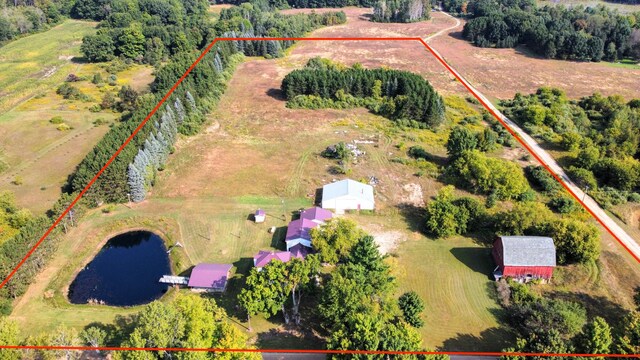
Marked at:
<point>36,62</point>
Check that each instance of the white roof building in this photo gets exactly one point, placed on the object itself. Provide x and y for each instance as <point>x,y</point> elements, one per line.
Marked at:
<point>347,195</point>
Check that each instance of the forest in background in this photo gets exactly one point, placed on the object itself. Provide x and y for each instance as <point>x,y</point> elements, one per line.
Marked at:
<point>575,33</point>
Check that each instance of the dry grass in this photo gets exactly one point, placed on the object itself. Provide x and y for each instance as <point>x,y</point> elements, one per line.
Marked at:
<point>500,73</point>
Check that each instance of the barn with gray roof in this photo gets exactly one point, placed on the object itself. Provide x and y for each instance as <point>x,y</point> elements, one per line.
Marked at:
<point>524,258</point>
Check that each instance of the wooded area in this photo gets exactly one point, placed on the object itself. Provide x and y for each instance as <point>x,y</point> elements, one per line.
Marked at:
<point>574,33</point>
<point>601,133</point>
<point>398,95</point>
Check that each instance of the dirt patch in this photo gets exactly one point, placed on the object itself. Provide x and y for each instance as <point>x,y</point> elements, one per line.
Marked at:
<point>413,195</point>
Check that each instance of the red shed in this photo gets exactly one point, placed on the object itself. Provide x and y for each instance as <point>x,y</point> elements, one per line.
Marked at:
<point>524,258</point>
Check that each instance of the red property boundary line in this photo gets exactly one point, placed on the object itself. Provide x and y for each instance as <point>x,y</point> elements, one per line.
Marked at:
<point>295,351</point>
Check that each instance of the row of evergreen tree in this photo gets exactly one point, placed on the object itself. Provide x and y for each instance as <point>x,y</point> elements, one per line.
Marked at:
<point>576,33</point>
<point>156,149</point>
<point>183,113</point>
<point>402,11</point>
<point>408,96</point>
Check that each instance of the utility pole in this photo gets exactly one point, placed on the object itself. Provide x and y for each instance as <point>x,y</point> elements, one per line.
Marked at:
<point>284,213</point>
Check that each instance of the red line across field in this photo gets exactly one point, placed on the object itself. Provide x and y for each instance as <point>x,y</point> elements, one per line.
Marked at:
<point>295,351</point>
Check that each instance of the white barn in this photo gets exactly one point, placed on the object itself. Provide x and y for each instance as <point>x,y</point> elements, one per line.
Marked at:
<point>347,195</point>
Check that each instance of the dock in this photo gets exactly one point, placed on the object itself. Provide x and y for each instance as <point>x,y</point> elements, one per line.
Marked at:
<point>174,280</point>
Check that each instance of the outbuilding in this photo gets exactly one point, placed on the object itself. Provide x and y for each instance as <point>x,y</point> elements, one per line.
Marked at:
<point>524,258</point>
<point>209,277</point>
<point>347,195</point>
<point>259,216</point>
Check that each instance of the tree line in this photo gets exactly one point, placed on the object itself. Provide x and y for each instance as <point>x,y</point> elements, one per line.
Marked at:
<point>157,30</point>
<point>20,17</point>
<point>401,11</point>
<point>313,4</point>
<point>189,321</point>
<point>574,33</point>
<point>601,135</point>
<point>554,325</point>
<point>402,96</point>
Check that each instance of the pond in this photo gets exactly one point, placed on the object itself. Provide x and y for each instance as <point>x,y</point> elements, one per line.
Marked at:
<point>125,272</point>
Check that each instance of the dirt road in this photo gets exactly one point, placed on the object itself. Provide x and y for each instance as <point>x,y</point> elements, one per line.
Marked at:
<point>549,162</point>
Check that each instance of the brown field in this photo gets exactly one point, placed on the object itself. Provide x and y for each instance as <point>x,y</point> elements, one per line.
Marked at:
<point>498,73</point>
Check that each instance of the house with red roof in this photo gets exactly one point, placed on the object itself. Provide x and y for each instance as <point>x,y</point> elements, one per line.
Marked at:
<point>209,277</point>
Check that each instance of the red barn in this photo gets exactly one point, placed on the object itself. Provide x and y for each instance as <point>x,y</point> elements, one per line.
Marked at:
<point>524,258</point>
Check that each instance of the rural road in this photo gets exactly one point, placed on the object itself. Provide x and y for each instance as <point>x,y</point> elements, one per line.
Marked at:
<point>601,216</point>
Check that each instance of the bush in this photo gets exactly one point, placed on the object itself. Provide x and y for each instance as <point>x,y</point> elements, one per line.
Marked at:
<point>63,127</point>
<point>634,197</point>
<point>564,204</point>
<point>97,79</point>
<point>56,120</point>
<point>95,108</point>
<point>540,178</point>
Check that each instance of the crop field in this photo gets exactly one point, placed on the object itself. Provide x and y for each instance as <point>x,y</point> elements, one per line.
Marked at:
<point>35,155</point>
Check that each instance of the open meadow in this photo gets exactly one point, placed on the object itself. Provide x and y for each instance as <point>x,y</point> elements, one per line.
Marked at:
<point>622,8</point>
<point>36,156</point>
<point>498,73</point>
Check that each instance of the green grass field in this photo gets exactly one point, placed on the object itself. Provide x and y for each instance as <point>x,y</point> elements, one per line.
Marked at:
<point>36,157</point>
<point>37,62</point>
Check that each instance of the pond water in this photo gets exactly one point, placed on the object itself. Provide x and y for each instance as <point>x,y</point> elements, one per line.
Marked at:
<point>125,272</point>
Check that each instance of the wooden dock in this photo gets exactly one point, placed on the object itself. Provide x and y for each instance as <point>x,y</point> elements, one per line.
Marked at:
<point>174,280</point>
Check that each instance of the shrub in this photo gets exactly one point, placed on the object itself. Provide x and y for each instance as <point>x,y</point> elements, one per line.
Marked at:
<point>564,204</point>
<point>634,197</point>
<point>63,127</point>
<point>97,79</point>
<point>99,121</point>
<point>95,108</point>
<point>540,178</point>
<point>18,180</point>
<point>56,120</point>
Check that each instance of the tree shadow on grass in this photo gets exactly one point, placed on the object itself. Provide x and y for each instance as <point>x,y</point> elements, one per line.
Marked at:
<point>277,240</point>
<point>228,300</point>
<point>277,94</point>
<point>477,259</point>
<point>457,35</point>
<point>492,339</point>
<point>289,337</point>
<point>414,217</point>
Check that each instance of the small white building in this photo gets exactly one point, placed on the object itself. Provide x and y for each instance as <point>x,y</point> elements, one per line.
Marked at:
<point>347,195</point>
<point>259,216</point>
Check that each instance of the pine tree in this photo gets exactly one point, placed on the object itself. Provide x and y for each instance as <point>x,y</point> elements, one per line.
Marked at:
<point>191,101</point>
<point>180,112</point>
<point>136,184</point>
